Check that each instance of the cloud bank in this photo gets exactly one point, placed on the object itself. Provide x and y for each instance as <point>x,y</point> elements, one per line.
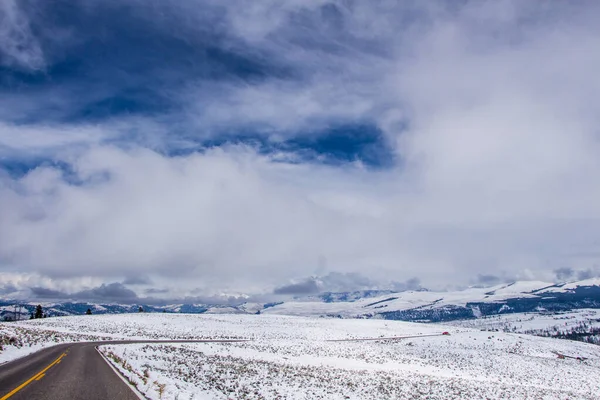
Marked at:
<point>224,149</point>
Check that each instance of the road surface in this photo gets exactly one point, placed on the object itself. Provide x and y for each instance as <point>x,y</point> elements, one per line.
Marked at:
<point>74,371</point>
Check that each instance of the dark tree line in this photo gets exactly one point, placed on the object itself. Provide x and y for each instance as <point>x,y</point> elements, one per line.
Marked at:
<point>583,332</point>
<point>38,313</point>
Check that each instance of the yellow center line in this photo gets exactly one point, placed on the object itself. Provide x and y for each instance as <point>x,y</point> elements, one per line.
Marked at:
<point>36,377</point>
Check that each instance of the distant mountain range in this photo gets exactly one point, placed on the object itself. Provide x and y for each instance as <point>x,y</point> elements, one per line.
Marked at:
<point>429,306</point>
<point>422,305</point>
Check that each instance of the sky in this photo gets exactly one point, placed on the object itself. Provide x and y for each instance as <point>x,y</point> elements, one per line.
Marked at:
<point>216,151</point>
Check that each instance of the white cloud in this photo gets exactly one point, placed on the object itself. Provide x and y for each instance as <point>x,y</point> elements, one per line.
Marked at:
<point>213,216</point>
<point>280,109</point>
<point>39,139</point>
<point>18,46</point>
<point>491,108</point>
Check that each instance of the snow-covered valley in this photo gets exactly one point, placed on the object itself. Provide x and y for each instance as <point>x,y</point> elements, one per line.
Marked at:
<point>294,358</point>
<point>582,324</point>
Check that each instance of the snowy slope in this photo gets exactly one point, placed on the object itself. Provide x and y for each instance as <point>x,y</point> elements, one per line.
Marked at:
<point>570,286</point>
<point>441,306</point>
<point>518,288</point>
<point>583,324</point>
<point>393,302</point>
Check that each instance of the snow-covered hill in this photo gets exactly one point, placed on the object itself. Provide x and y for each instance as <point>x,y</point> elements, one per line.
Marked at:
<point>582,324</point>
<point>420,305</point>
<point>293,358</point>
<point>526,296</point>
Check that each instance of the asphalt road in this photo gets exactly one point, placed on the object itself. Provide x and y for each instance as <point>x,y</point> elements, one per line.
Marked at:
<point>74,371</point>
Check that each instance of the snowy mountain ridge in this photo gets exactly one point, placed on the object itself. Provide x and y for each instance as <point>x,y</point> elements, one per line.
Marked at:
<point>417,305</point>
<point>474,302</point>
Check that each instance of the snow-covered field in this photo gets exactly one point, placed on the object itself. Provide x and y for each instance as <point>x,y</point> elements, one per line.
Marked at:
<point>291,358</point>
<point>534,323</point>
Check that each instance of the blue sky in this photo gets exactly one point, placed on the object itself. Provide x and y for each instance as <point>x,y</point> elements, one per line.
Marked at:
<point>227,149</point>
<point>117,60</point>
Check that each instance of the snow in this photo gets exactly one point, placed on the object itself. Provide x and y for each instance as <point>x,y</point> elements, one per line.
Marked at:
<point>291,357</point>
<point>251,308</point>
<point>409,300</point>
<point>370,304</point>
<point>394,302</point>
<point>223,310</point>
<point>18,339</point>
<point>534,322</point>
<point>11,353</point>
<point>574,285</point>
<point>520,287</point>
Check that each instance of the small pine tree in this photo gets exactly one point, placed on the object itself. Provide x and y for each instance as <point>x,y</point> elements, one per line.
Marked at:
<point>89,311</point>
<point>39,312</point>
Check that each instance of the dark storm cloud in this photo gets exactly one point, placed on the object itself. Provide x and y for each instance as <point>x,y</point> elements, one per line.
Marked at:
<point>488,279</point>
<point>345,282</point>
<point>567,273</point>
<point>112,291</point>
<point>121,57</point>
<point>564,273</point>
<point>137,280</point>
<point>337,282</point>
<point>308,286</point>
<point>586,274</point>
<point>409,284</point>
<point>105,292</point>
<point>45,293</point>
<point>117,292</point>
<point>334,282</point>
<point>151,291</point>
<point>8,289</point>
